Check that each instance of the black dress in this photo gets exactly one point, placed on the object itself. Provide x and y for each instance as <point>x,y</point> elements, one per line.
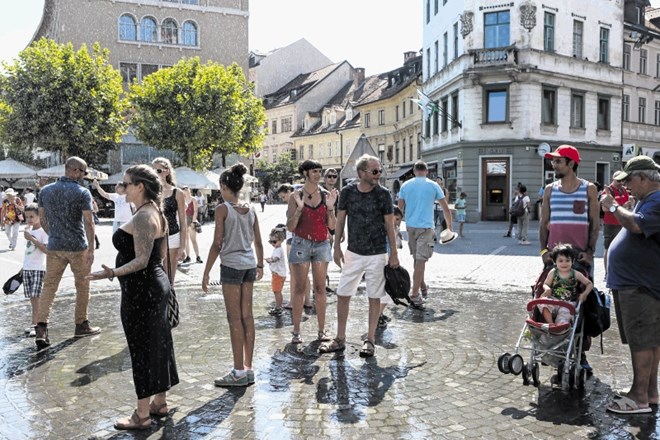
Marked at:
<point>144,296</point>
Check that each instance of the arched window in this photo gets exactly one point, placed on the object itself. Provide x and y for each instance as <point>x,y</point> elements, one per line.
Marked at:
<point>148,30</point>
<point>127,28</point>
<point>189,34</point>
<point>169,32</point>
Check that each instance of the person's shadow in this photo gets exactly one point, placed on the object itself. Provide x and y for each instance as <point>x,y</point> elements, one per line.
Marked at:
<point>27,359</point>
<point>116,363</point>
<point>292,364</point>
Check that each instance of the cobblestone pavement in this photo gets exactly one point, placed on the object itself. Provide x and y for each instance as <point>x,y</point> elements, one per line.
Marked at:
<point>434,374</point>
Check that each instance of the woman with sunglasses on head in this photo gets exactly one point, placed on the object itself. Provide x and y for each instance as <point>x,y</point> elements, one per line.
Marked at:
<point>123,209</point>
<point>330,177</point>
<point>174,209</point>
<point>309,215</point>
<point>145,291</point>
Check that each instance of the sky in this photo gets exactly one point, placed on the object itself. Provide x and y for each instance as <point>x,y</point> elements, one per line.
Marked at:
<point>372,34</point>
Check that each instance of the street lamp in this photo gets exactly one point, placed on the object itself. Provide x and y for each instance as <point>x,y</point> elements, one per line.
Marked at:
<point>341,155</point>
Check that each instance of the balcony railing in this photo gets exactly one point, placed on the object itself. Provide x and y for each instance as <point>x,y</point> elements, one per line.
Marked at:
<point>495,56</point>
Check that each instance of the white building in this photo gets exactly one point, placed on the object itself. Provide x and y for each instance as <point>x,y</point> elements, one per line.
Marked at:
<point>515,78</point>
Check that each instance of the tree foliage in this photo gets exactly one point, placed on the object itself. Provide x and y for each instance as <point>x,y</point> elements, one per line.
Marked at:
<point>271,174</point>
<point>56,99</point>
<point>197,110</point>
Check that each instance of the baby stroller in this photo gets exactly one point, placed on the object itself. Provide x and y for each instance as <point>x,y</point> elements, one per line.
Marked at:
<point>556,345</point>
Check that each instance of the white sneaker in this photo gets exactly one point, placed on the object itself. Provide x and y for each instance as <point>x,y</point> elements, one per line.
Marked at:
<point>525,242</point>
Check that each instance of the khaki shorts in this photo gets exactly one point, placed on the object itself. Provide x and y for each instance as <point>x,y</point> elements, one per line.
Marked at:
<point>638,317</point>
<point>421,243</point>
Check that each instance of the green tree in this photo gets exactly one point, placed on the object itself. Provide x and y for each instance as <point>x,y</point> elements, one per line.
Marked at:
<point>53,98</point>
<point>197,110</point>
<point>272,174</point>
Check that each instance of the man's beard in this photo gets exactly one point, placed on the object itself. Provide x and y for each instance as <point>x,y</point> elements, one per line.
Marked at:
<point>559,175</point>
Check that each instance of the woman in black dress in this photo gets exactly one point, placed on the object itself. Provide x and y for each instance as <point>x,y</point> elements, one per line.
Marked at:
<point>145,290</point>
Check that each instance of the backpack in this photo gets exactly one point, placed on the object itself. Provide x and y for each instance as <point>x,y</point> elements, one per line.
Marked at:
<point>518,208</point>
<point>397,285</point>
<point>596,313</point>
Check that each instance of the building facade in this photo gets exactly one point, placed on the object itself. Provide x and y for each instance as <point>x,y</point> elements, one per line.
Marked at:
<point>513,80</point>
<point>146,35</point>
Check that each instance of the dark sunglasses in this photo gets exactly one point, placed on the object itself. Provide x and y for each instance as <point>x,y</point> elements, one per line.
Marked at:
<point>121,184</point>
<point>375,172</point>
<point>125,184</point>
<point>160,170</point>
<point>331,176</point>
<point>272,241</point>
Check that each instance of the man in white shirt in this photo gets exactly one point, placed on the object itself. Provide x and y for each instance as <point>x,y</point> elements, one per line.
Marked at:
<point>28,196</point>
<point>201,206</point>
<point>123,209</point>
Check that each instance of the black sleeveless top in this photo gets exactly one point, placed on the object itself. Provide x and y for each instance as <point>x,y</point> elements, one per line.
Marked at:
<point>171,213</point>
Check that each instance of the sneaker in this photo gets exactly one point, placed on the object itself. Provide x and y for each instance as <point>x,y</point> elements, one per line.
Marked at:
<point>32,333</point>
<point>323,336</point>
<point>85,329</point>
<point>507,234</point>
<point>199,260</point>
<point>296,338</point>
<point>250,376</point>
<point>186,260</point>
<point>585,364</point>
<point>28,329</point>
<point>385,317</point>
<point>425,294</point>
<point>525,242</point>
<point>231,380</point>
<point>41,337</point>
<point>275,311</point>
<point>416,301</point>
<point>382,323</point>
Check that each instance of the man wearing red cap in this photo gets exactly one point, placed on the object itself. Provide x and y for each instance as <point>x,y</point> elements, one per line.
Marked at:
<point>570,214</point>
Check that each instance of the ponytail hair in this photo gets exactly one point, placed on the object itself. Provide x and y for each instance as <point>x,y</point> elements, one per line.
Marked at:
<point>233,177</point>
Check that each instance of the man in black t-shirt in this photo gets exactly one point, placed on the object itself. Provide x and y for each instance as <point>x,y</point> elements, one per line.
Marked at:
<point>368,207</point>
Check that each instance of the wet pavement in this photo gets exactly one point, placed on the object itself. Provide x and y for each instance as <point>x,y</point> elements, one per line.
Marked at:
<point>434,375</point>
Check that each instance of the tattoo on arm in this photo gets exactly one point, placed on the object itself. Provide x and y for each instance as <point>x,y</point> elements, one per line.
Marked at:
<point>143,243</point>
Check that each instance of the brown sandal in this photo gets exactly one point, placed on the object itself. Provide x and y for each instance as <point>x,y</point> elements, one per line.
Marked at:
<point>368,349</point>
<point>134,422</point>
<point>157,410</point>
<point>332,346</point>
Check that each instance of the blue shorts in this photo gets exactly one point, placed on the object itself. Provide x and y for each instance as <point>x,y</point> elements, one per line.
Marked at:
<point>307,251</point>
<point>460,218</point>
<point>229,275</point>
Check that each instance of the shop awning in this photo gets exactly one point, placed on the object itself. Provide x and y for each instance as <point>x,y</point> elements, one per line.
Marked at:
<point>399,173</point>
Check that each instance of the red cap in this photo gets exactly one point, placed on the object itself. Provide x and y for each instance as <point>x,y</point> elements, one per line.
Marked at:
<point>567,151</point>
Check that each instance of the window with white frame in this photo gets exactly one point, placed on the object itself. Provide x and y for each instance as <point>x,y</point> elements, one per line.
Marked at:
<point>396,113</point>
<point>285,123</point>
<point>455,40</point>
<point>444,106</point>
<point>626,56</point>
<point>604,52</point>
<point>128,72</point>
<point>329,149</point>
<point>302,152</point>
<point>496,29</point>
<point>643,59</point>
<point>169,32</point>
<point>367,120</point>
<point>445,49</point>
<point>273,126</point>
<point>577,109</point>
<point>190,34</point>
<point>147,69</point>
<point>625,108</point>
<point>311,152</point>
<point>603,118</point>
<point>127,28</point>
<point>381,117</point>
<point>641,111</point>
<point>578,32</point>
<point>549,106</point>
<point>148,30</point>
<point>454,110</point>
<point>657,113</point>
<point>549,32</point>
<point>437,57</point>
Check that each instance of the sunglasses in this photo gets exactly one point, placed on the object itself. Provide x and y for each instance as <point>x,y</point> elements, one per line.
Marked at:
<point>81,170</point>
<point>272,241</point>
<point>374,172</point>
<point>121,184</point>
<point>331,176</point>
<point>125,184</point>
<point>160,170</point>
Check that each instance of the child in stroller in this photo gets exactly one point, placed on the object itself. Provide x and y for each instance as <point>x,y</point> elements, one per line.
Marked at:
<point>562,283</point>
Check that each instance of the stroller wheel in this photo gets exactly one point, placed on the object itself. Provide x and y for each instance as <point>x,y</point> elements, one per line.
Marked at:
<point>581,378</point>
<point>535,374</point>
<point>516,364</point>
<point>526,373</point>
<point>572,377</point>
<point>503,363</point>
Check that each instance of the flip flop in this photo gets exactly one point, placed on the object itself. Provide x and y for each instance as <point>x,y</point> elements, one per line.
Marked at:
<point>332,346</point>
<point>625,405</point>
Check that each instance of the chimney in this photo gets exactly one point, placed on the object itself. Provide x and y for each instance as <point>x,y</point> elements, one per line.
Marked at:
<point>358,76</point>
<point>408,56</point>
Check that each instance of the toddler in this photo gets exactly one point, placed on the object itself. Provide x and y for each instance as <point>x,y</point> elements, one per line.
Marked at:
<point>460,213</point>
<point>562,283</point>
<point>34,261</point>
<point>277,267</point>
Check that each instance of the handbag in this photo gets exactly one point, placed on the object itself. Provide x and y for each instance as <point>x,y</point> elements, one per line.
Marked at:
<point>172,302</point>
<point>13,283</point>
<point>198,227</point>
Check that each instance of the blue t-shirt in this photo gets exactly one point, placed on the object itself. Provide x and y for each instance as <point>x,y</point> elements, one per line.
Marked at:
<point>64,202</point>
<point>633,259</point>
<point>420,195</point>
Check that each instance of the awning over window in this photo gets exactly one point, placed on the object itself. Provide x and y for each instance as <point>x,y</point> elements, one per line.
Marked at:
<point>398,174</point>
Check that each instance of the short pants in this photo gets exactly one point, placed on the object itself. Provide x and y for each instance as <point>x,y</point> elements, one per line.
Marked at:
<point>307,251</point>
<point>371,266</point>
<point>174,241</point>
<point>229,275</point>
<point>421,242</point>
<point>33,282</point>
<point>638,317</point>
<point>277,283</point>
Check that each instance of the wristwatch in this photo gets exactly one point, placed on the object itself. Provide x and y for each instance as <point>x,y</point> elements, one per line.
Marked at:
<point>613,208</point>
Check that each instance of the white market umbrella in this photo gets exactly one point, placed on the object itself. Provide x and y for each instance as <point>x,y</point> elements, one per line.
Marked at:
<point>12,170</point>
<point>58,171</point>
<point>194,180</point>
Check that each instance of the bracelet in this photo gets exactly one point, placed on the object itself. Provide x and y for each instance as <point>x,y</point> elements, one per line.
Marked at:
<point>259,267</point>
<point>544,251</point>
<point>112,276</point>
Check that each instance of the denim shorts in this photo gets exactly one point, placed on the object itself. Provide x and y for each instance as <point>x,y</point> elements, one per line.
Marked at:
<point>229,275</point>
<point>307,251</point>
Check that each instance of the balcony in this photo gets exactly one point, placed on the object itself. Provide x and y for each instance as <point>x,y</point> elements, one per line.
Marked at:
<point>499,56</point>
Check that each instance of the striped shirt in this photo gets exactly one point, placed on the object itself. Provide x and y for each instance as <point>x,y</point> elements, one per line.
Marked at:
<point>569,217</point>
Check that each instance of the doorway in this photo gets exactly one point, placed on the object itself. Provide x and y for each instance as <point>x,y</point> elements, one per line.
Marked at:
<point>495,187</point>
